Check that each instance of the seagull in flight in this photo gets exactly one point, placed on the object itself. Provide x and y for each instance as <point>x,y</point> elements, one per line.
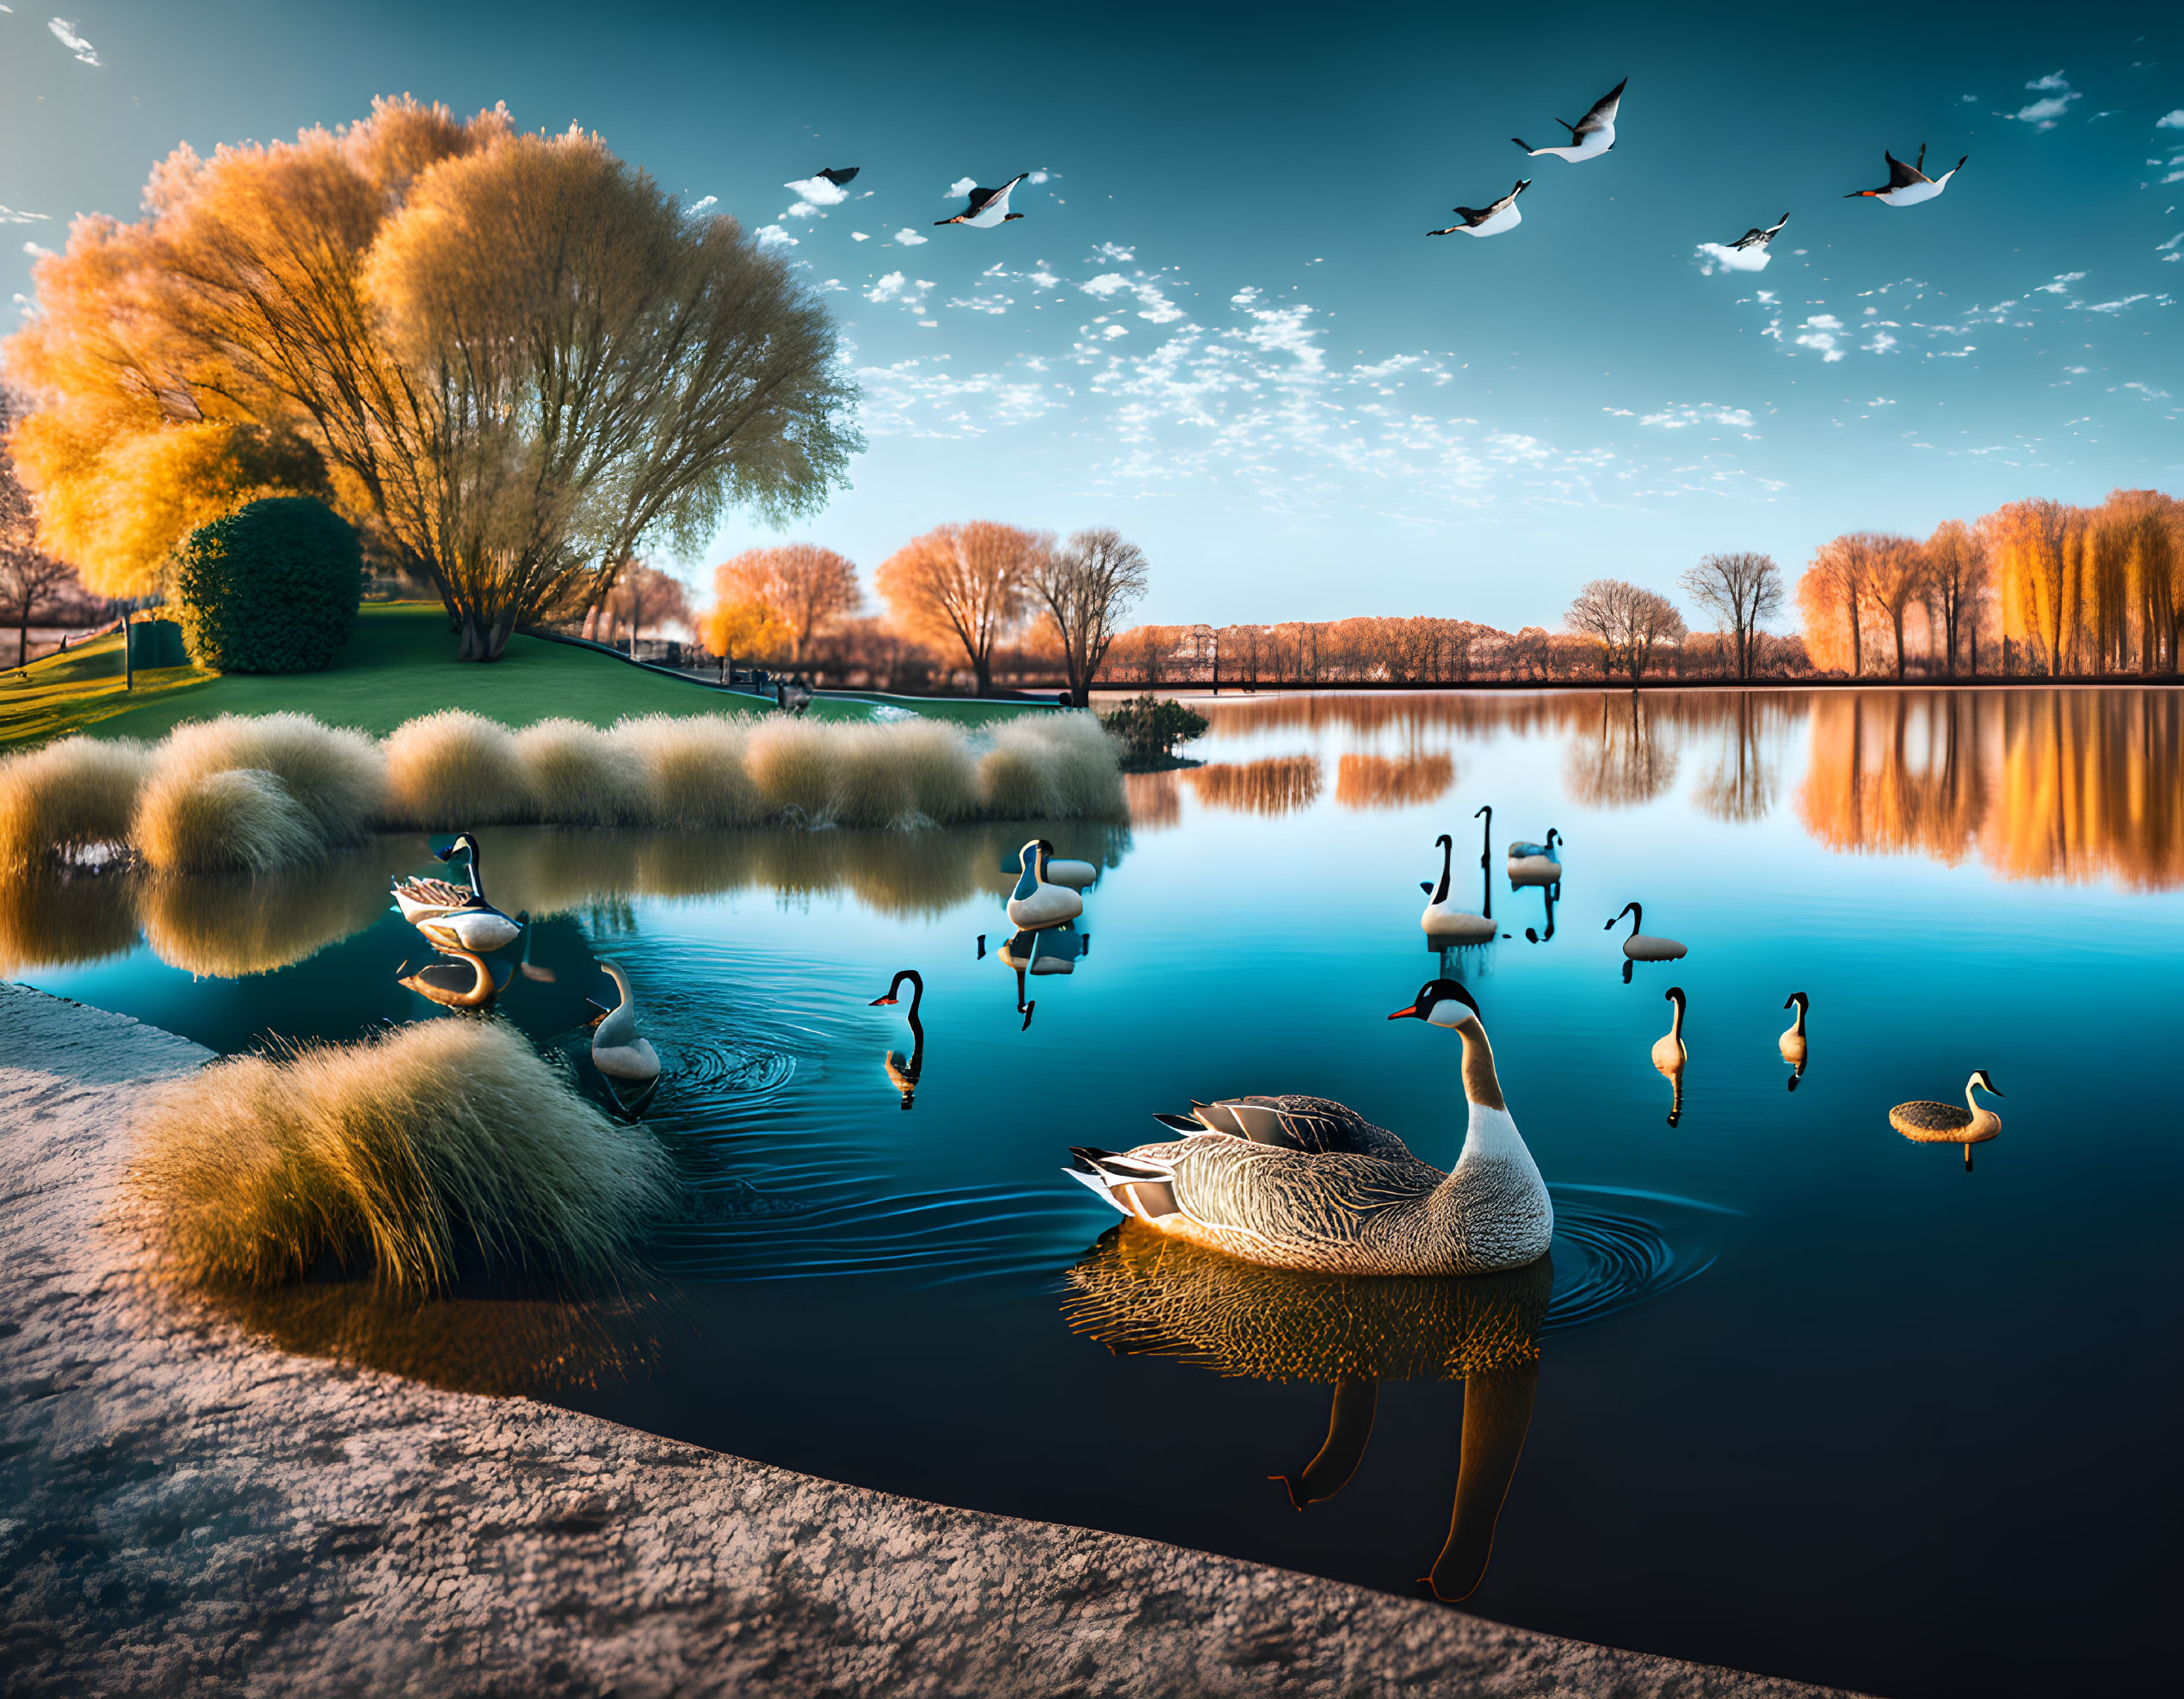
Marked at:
<point>1757,237</point>
<point>840,178</point>
<point>1908,185</point>
<point>1591,135</point>
<point>988,208</point>
<point>1490,220</point>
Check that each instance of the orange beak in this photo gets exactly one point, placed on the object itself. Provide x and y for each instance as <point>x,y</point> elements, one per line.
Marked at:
<point>1411,1013</point>
<point>880,1002</point>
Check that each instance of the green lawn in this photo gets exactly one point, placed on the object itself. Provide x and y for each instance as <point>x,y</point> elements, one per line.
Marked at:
<point>400,662</point>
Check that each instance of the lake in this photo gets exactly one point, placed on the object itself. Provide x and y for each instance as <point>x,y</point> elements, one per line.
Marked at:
<point>1796,1394</point>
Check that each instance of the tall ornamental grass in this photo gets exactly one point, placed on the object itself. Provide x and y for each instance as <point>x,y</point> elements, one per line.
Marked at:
<point>69,796</point>
<point>402,1156</point>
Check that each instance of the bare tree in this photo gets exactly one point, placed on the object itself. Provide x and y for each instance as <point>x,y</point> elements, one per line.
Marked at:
<point>1895,577</point>
<point>1627,621</point>
<point>1743,590</point>
<point>1087,585</point>
<point>964,584</point>
<point>29,578</point>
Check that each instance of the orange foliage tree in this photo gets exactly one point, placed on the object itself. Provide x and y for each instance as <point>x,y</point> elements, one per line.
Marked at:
<point>964,586</point>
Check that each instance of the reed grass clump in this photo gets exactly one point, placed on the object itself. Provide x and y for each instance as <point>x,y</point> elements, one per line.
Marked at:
<point>792,762</point>
<point>337,777</point>
<point>399,1156</point>
<point>69,796</point>
<point>1083,763</point>
<point>695,769</point>
<point>578,776</point>
<point>232,819</point>
<point>872,785</point>
<point>1013,780</point>
<point>451,770</point>
<point>936,758</point>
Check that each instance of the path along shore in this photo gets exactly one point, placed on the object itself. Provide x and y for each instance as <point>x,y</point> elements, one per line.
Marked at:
<point>185,1508</point>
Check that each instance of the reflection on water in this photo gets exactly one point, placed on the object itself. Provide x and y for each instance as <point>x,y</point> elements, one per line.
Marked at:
<point>1624,755</point>
<point>1376,781</point>
<point>1746,780</point>
<point>1154,805</point>
<point>1276,785</point>
<point>1138,1292</point>
<point>2039,784</point>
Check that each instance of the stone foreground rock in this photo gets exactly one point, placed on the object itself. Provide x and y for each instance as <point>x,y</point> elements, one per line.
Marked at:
<point>184,1508</point>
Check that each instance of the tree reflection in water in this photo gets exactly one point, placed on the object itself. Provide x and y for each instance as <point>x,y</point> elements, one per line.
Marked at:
<point>1279,785</point>
<point>1140,1292</point>
<point>1626,758</point>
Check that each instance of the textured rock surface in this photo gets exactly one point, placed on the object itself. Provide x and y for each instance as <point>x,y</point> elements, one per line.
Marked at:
<point>186,1508</point>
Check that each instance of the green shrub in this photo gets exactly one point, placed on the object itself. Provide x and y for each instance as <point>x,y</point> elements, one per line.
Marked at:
<point>1153,725</point>
<point>272,587</point>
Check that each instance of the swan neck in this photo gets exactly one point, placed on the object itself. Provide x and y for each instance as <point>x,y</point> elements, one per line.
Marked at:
<point>1676,1019</point>
<point>1482,1085</point>
<point>1638,919</point>
<point>1447,856</point>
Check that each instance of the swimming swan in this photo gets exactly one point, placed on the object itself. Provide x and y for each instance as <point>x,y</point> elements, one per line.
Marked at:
<point>1792,1042</point>
<point>1670,1056</point>
<point>449,915</point>
<point>1535,863</point>
<point>464,982</point>
<point>616,1050</point>
<point>1931,1123</point>
<point>1640,948</point>
<point>1341,1212</point>
<point>903,1073</point>
<point>1035,902</point>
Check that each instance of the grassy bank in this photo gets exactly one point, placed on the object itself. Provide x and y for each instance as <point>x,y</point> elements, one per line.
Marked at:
<point>399,663</point>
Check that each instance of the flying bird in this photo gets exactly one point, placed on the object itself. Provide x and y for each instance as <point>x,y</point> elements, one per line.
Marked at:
<point>1591,135</point>
<point>840,178</point>
<point>988,206</point>
<point>1908,185</point>
<point>1757,237</point>
<point>1490,220</point>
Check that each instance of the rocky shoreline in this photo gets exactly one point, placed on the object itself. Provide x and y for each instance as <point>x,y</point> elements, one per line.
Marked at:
<point>185,1508</point>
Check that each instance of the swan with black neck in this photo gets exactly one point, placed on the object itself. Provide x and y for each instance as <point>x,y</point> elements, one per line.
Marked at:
<point>449,915</point>
<point>904,1072</point>
<point>1445,923</point>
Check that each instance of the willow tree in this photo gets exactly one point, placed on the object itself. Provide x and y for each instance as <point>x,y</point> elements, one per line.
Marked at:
<point>511,357</point>
<point>963,585</point>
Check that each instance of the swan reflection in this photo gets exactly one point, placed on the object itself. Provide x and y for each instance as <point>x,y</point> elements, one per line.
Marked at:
<point>458,980</point>
<point>1669,1054</point>
<point>904,1071</point>
<point>1143,1292</point>
<point>1053,951</point>
<point>1793,1042</point>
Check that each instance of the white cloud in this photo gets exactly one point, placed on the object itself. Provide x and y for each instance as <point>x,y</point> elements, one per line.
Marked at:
<point>996,303</point>
<point>816,192</point>
<point>2042,114</point>
<point>2168,250</point>
<point>1107,283</point>
<point>1821,333</point>
<point>859,236</point>
<point>1716,255</point>
<point>2061,285</point>
<point>65,33</point>
<point>1682,414</point>
<point>1040,176</point>
<point>959,188</point>
<point>1109,250</point>
<point>897,289</point>
<point>1113,331</point>
<point>907,237</point>
<point>10,215</point>
<point>697,206</point>
<point>2111,307</point>
<point>773,236</point>
<point>37,252</point>
<point>2170,120</point>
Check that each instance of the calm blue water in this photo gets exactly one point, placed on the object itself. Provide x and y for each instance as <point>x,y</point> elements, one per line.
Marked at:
<point>1810,1399</point>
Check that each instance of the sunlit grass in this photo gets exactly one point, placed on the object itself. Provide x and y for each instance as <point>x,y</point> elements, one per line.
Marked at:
<point>401,1157</point>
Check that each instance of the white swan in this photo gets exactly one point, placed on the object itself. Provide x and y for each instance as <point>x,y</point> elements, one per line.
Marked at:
<point>1035,904</point>
<point>1792,1042</point>
<point>1535,863</point>
<point>451,916</point>
<point>616,1050</point>
<point>1640,948</point>
<point>1443,920</point>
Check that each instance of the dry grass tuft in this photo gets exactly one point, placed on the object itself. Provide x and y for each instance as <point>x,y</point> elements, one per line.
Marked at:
<point>1015,780</point>
<point>936,757</point>
<point>1085,764</point>
<point>872,785</point>
<point>792,762</point>
<point>695,768</point>
<point>398,1155</point>
<point>232,819</point>
<point>451,770</point>
<point>578,776</point>
<point>68,796</point>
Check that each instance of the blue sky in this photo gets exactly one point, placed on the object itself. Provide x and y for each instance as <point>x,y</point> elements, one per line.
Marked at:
<point>1220,325</point>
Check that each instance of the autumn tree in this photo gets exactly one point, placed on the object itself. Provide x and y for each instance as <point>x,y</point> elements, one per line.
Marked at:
<point>964,586</point>
<point>1956,580</point>
<point>643,596</point>
<point>1894,578</point>
<point>1627,621</point>
<point>512,357</point>
<point>806,589</point>
<point>1085,587</point>
<point>2039,589</point>
<point>1741,589</point>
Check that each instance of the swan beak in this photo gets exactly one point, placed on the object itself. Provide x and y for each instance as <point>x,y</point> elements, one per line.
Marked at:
<point>1413,1013</point>
<point>880,1002</point>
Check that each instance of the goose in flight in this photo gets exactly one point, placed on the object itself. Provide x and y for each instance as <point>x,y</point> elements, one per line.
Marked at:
<point>1342,1213</point>
<point>1757,238</point>
<point>1489,220</point>
<point>988,208</point>
<point>840,178</point>
<point>1908,185</point>
<point>1590,136</point>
